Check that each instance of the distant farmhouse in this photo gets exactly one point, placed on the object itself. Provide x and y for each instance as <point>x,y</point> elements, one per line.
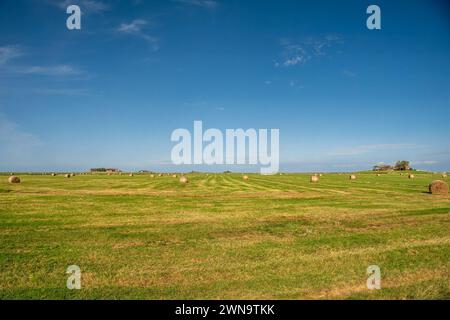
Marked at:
<point>107,170</point>
<point>399,166</point>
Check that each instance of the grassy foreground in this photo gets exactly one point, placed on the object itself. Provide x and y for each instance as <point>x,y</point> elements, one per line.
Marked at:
<point>220,237</point>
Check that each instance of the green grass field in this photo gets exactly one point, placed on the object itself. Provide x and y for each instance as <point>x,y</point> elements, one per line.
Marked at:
<point>220,237</point>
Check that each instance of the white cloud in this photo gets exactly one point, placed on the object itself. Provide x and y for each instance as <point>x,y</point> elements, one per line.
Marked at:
<point>299,52</point>
<point>11,134</point>
<point>362,149</point>
<point>349,73</point>
<point>59,70</point>
<point>135,28</point>
<point>62,92</point>
<point>86,6</point>
<point>295,84</point>
<point>425,162</point>
<point>8,53</point>
<point>207,4</point>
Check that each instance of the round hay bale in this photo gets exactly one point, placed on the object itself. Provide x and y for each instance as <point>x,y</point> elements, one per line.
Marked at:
<point>184,180</point>
<point>72,174</point>
<point>160,175</point>
<point>320,174</point>
<point>131,174</point>
<point>152,176</point>
<point>314,179</point>
<point>444,176</point>
<point>245,177</point>
<point>410,176</point>
<point>53,174</point>
<point>378,174</point>
<point>174,176</point>
<point>14,179</point>
<point>352,177</point>
<point>67,175</point>
<point>438,187</point>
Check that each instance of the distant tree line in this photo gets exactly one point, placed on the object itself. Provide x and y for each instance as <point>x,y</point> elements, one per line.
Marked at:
<point>399,166</point>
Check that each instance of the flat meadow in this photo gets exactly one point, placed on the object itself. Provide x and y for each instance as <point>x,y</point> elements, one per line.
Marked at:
<point>223,237</point>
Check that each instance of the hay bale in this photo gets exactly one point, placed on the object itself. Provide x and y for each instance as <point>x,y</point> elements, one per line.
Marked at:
<point>72,174</point>
<point>174,176</point>
<point>438,187</point>
<point>14,179</point>
<point>184,180</point>
<point>160,175</point>
<point>152,176</point>
<point>53,174</point>
<point>130,174</point>
<point>444,176</point>
<point>378,174</point>
<point>410,176</point>
<point>314,178</point>
<point>352,177</point>
<point>67,175</point>
<point>245,177</point>
<point>320,174</point>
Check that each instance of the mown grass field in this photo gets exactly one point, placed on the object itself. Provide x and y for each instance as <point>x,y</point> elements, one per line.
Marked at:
<point>220,237</point>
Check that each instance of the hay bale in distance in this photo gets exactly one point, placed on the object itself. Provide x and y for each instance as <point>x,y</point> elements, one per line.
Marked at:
<point>130,174</point>
<point>67,175</point>
<point>14,179</point>
<point>438,187</point>
<point>174,176</point>
<point>245,177</point>
<point>378,174</point>
<point>160,175</point>
<point>314,179</point>
<point>352,177</point>
<point>444,176</point>
<point>184,180</point>
<point>53,174</point>
<point>410,176</point>
<point>320,174</point>
<point>152,176</point>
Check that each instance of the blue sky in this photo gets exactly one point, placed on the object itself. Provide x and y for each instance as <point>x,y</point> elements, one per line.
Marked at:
<point>344,97</point>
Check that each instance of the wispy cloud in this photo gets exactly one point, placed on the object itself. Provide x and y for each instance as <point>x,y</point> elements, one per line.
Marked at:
<point>86,6</point>
<point>424,162</point>
<point>295,84</point>
<point>62,92</point>
<point>12,134</point>
<point>59,70</point>
<point>207,4</point>
<point>7,53</point>
<point>349,74</point>
<point>135,28</point>
<point>362,149</point>
<point>299,52</point>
